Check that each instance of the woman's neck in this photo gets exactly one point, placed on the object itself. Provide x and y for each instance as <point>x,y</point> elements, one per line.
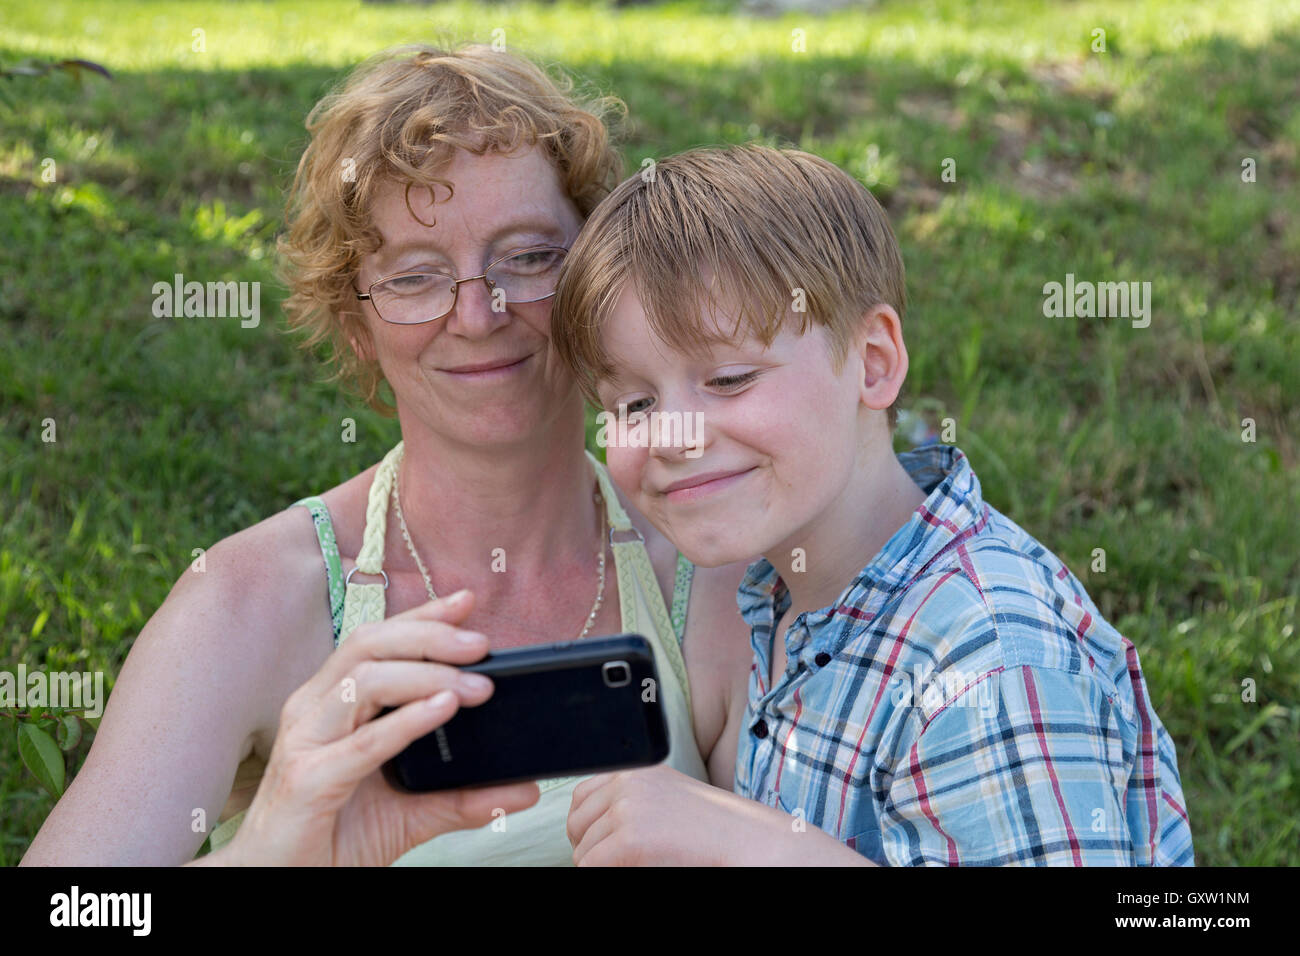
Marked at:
<point>530,499</point>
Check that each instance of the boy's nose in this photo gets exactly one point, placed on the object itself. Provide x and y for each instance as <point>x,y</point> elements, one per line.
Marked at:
<point>677,435</point>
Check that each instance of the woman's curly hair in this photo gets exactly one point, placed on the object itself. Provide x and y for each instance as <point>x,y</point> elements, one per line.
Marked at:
<point>399,117</point>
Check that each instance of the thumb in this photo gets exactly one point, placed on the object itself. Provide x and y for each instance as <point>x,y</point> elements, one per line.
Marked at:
<point>432,814</point>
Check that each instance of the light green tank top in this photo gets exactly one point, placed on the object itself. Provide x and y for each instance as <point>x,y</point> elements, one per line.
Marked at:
<point>536,836</point>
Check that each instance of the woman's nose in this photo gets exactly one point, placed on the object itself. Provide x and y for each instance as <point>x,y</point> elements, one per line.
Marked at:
<point>478,310</point>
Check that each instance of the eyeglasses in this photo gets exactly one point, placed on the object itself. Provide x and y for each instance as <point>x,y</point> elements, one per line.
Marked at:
<point>409,298</point>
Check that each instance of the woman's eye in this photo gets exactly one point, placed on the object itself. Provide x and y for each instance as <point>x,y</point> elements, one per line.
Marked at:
<point>531,262</point>
<point>730,382</point>
<point>411,284</point>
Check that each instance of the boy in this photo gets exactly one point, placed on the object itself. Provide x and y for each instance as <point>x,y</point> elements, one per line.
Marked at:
<point>930,684</point>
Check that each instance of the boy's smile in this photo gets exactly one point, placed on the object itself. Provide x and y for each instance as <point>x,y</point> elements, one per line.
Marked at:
<point>701,486</point>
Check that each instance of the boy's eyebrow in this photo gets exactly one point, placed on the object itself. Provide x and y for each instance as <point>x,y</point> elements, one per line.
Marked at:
<point>613,377</point>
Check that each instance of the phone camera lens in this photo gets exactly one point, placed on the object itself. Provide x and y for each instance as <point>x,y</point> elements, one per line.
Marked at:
<point>616,673</point>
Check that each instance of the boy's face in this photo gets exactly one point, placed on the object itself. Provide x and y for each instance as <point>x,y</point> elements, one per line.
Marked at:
<point>778,435</point>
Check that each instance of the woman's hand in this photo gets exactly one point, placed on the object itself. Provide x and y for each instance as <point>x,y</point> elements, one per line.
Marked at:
<point>323,800</point>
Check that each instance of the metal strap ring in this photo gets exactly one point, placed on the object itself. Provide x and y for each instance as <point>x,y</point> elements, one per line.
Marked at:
<point>632,529</point>
<point>356,568</point>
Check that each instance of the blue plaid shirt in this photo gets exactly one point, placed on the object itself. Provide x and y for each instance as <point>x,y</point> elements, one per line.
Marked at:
<point>963,702</point>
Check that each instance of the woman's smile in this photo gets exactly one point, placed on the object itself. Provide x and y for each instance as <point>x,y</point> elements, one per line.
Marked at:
<point>491,371</point>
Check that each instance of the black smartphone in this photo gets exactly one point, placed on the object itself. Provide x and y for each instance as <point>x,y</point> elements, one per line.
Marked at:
<point>564,709</point>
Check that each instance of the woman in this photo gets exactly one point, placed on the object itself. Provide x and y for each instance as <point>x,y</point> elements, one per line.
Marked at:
<point>474,165</point>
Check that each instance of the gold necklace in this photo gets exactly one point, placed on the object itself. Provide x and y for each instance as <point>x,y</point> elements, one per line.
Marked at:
<point>428,584</point>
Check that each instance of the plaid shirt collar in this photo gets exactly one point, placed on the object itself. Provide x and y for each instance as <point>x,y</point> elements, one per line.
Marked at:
<point>954,509</point>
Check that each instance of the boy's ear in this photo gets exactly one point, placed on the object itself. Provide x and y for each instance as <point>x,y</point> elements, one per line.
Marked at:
<point>879,344</point>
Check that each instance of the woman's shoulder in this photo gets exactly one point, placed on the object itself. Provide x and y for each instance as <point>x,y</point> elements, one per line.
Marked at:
<point>346,506</point>
<point>286,542</point>
<point>271,576</point>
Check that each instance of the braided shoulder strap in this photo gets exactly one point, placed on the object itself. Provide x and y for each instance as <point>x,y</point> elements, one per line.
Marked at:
<point>365,602</point>
<point>633,569</point>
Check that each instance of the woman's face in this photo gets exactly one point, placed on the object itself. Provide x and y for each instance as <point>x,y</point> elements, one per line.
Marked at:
<point>499,204</point>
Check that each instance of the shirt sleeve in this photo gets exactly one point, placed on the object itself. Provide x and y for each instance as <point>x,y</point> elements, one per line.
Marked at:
<point>1028,770</point>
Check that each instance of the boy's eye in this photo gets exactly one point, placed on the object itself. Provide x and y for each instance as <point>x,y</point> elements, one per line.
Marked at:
<point>729,382</point>
<point>636,406</point>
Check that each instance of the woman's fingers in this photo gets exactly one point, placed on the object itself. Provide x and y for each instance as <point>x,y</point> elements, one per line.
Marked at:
<point>295,815</point>
<point>364,751</point>
<point>375,684</point>
<point>333,739</point>
<point>358,754</point>
<point>427,632</point>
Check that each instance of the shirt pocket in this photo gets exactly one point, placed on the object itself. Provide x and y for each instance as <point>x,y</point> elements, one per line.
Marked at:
<point>869,843</point>
<point>865,837</point>
<point>789,808</point>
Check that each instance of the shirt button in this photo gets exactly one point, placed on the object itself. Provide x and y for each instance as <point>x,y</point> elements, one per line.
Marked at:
<point>760,729</point>
<point>822,659</point>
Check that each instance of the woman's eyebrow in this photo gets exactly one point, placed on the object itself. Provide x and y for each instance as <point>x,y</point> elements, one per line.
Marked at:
<point>390,252</point>
<point>546,228</point>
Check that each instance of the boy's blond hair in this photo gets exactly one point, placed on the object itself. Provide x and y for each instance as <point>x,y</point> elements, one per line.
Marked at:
<point>774,228</point>
<point>400,117</point>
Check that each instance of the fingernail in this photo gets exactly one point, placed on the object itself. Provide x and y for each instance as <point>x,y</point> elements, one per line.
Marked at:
<point>469,637</point>
<point>473,683</point>
<point>458,596</point>
<point>440,700</point>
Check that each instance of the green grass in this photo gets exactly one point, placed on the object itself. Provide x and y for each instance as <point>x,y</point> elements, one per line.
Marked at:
<point>1123,165</point>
